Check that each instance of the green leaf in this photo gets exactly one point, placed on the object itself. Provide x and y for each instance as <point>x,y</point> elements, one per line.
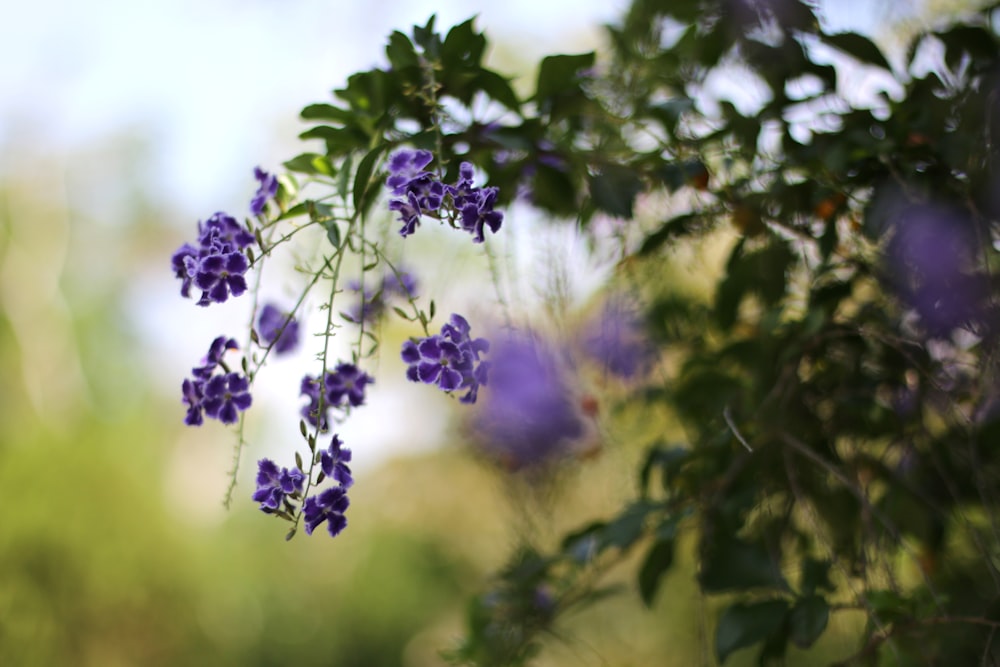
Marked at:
<point>557,75</point>
<point>498,88</point>
<point>338,140</point>
<point>462,46</point>
<point>808,620</point>
<point>332,232</point>
<point>311,163</point>
<point>671,229</point>
<point>731,564</point>
<point>614,190</point>
<point>815,575</point>
<point>658,561</point>
<point>743,625</point>
<point>667,459</point>
<point>858,47</point>
<point>584,544</point>
<point>554,190</point>
<point>628,527</point>
<point>363,176</point>
<point>400,51</point>
<point>326,112</point>
<point>427,39</point>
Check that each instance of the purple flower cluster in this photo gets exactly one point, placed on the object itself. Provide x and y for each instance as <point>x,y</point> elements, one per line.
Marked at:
<point>277,329</point>
<point>373,303</point>
<point>344,386</point>
<point>222,395</point>
<point>529,416</point>
<point>267,189</point>
<point>273,485</point>
<point>450,360</point>
<point>217,264</point>
<point>277,489</point>
<point>417,192</point>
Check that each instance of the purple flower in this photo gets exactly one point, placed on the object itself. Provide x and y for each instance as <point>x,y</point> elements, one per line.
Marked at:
<point>214,356</point>
<point>417,192</point>
<point>334,460</point>
<point>409,213</point>
<point>217,264</point>
<point>220,396</point>
<point>328,506</point>
<point>226,396</point>
<point>181,261</point>
<point>278,329</point>
<point>529,416</point>
<point>475,216</point>
<point>226,232</point>
<point>474,205</point>
<point>273,484</point>
<point>450,360</point>
<point>220,275</point>
<point>193,392</point>
<point>268,189</point>
<point>346,381</point>
<point>406,166</point>
<point>616,341</point>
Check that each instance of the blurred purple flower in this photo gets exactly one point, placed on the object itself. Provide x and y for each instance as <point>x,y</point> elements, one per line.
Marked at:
<point>372,304</point>
<point>931,258</point>
<point>615,339</point>
<point>268,189</point>
<point>529,415</point>
<point>278,329</point>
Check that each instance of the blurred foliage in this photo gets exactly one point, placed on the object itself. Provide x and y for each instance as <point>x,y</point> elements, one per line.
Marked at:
<point>838,391</point>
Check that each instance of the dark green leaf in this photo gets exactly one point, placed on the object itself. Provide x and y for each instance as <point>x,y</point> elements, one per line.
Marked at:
<point>629,526</point>
<point>498,88</point>
<point>614,190</point>
<point>658,561</point>
<point>743,625</point>
<point>327,112</point>
<point>554,190</point>
<point>463,46</point>
<point>815,575</point>
<point>808,620</point>
<point>667,460</point>
<point>364,175</point>
<point>975,41</point>
<point>730,564</point>
<point>558,75</point>
<point>858,47</point>
<point>400,51</point>
<point>584,544</point>
<point>679,226</point>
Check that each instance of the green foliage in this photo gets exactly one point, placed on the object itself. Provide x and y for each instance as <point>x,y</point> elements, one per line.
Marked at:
<point>837,388</point>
